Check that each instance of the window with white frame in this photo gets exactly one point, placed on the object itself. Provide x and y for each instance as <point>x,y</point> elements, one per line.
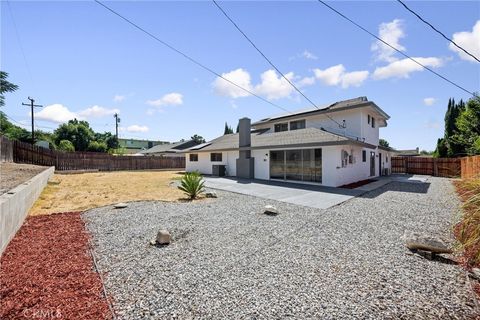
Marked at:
<point>297,124</point>
<point>193,157</point>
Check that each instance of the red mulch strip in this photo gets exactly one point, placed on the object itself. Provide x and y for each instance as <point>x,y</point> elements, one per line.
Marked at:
<point>357,184</point>
<point>47,272</point>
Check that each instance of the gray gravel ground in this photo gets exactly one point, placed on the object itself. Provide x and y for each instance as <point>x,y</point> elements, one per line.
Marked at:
<point>229,261</point>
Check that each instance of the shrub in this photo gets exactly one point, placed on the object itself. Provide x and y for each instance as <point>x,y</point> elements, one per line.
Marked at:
<point>66,145</point>
<point>467,231</point>
<point>97,146</point>
<point>192,184</point>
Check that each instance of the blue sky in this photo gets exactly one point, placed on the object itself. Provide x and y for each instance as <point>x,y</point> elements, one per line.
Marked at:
<point>81,60</point>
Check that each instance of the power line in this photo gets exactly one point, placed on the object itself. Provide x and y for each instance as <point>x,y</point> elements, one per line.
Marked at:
<point>187,56</point>
<point>20,44</point>
<point>436,30</point>
<point>399,51</point>
<point>270,61</point>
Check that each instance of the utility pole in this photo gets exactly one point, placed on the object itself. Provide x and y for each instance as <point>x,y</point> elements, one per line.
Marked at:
<point>32,105</point>
<point>117,121</point>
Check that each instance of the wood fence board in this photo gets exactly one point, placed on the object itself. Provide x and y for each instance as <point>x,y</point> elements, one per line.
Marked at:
<point>439,167</point>
<point>470,167</point>
<point>27,153</point>
<point>6,150</point>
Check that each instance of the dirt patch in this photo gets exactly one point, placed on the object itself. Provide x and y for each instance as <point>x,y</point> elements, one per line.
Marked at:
<point>357,184</point>
<point>79,192</point>
<point>14,174</point>
<point>47,272</point>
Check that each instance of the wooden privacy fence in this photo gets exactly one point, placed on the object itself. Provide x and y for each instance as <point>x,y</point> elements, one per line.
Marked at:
<point>6,150</point>
<point>439,167</point>
<point>26,153</point>
<point>470,167</point>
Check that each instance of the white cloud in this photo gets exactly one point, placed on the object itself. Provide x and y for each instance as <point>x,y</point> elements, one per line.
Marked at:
<point>137,128</point>
<point>150,112</point>
<point>337,75</point>
<point>331,76</point>
<point>57,113</point>
<point>308,55</point>
<point>307,81</point>
<point>429,101</point>
<point>391,33</point>
<point>118,98</point>
<point>403,68</point>
<point>274,86</point>
<point>170,99</point>
<point>239,77</point>
<point>470,41</point>
<point>97,112</point>
<point>354,79</point>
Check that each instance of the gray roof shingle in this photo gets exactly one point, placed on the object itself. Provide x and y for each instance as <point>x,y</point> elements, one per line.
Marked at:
<point>262,139</point>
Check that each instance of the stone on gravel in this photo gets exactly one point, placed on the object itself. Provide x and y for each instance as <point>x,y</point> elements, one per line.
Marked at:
<point>416,241</point>
<point>211,194</point>
<point>120,205</point>
<point>163,237</point>
<point>476,273</point>
<point>270,210</point>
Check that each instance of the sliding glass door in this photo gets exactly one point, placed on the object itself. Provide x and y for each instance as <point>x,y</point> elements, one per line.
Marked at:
<point>296,165</point>
<point>277,164</point>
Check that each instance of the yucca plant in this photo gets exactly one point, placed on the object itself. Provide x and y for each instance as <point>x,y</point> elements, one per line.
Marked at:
<point>192,184</point>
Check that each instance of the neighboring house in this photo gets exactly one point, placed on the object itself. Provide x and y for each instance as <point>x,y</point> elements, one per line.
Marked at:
<point>176,149</point>
<point>407,153</point>
<point>133,146</point>
<point>332,146</point>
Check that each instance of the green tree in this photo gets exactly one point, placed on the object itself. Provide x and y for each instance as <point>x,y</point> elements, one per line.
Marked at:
<point>77,132</point>
<point>66,145</point>
<point>467,134</point>
<point>228,129</point>
<point>383,143</point>
<point>450,146</point>
<point>197,138</point>
<point>5,86</point>
<point>11,131</point>
<point>97,146</point>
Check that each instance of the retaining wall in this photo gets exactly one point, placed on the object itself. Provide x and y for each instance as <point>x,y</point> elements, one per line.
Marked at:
<point>14,205</point>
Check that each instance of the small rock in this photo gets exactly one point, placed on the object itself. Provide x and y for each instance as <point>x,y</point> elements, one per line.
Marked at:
<point>415,241</point>
<point>271,210</point>
<point>476,273</point>
<point>211,194</point>
<point>120,205</point>
<point>163,237</point>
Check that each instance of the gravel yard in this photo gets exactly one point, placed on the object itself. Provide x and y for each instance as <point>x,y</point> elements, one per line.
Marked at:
<point>14,174</point>
<point>228,260</point>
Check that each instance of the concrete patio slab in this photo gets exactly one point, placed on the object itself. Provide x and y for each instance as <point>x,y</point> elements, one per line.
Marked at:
<point>301,194</point>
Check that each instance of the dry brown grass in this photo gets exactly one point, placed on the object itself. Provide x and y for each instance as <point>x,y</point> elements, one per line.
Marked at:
<point>78,192</point>
<point>467,230</point>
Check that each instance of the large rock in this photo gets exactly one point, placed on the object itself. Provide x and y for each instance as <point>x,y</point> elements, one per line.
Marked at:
<point>416,241</point>
<point>163,237</point>
<point>120,205</point>
<point>211,194</point>
<point>271,210</point>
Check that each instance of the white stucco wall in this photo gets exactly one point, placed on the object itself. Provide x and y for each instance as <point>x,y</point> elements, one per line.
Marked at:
<point>356,122</point>
<point>333,174</point>
<point>204,165</point>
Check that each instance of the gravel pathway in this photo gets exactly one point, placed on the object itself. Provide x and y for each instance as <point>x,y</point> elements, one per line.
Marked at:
<point>230,261</point>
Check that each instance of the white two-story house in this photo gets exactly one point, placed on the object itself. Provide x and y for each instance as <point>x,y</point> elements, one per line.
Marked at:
<point>332,146</point>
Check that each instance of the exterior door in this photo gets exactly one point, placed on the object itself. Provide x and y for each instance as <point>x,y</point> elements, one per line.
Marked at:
<point>372,163</point>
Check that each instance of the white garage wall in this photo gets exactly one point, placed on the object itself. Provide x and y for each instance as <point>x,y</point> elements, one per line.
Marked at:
<point>204,165</point>
<point>262,164</point>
